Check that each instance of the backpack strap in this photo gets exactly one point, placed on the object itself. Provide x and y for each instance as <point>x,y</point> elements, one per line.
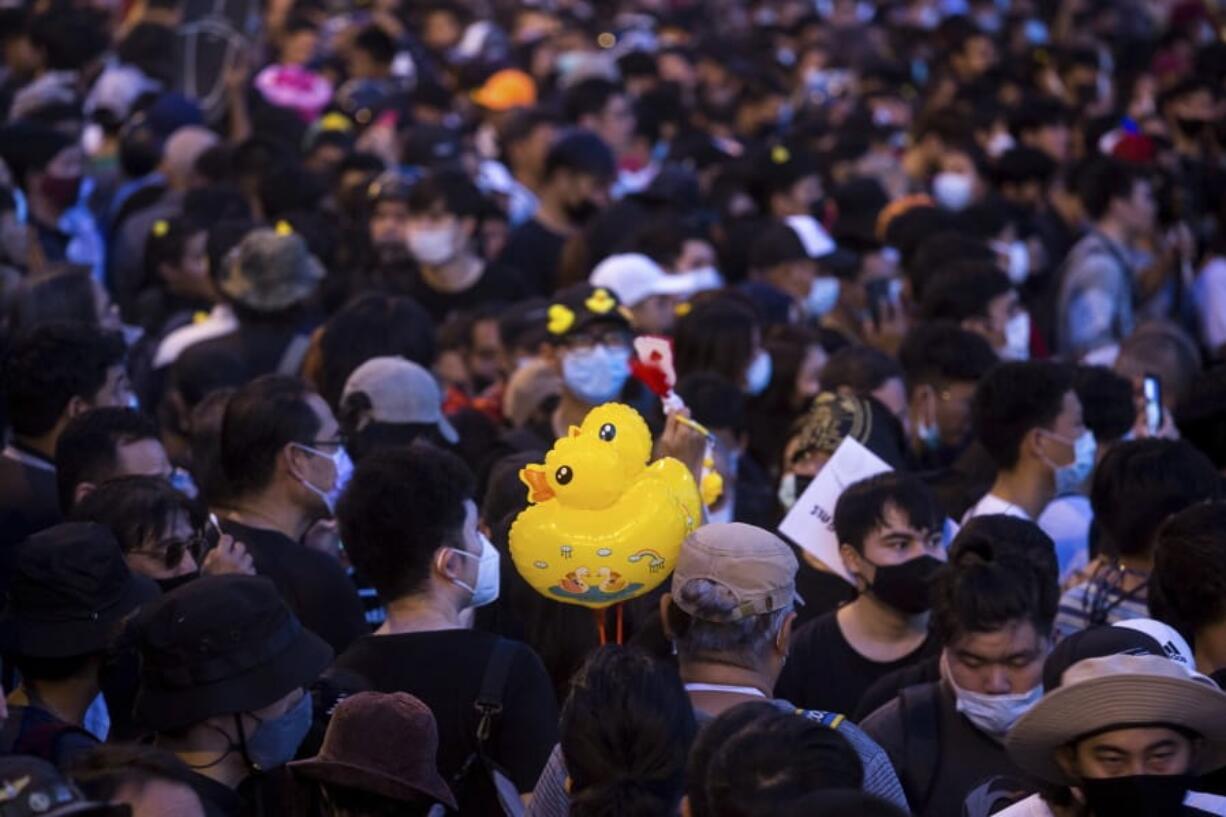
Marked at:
<point>921,716</point>
<point>493,683</point>
<point>295,352</point>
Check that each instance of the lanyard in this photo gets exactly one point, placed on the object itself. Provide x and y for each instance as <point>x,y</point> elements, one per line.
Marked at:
<point>14,453</point>
<point>732,690</point>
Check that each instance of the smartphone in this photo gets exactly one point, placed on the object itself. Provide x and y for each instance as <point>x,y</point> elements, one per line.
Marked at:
<point>212,533</point>
<point>1152,392</point>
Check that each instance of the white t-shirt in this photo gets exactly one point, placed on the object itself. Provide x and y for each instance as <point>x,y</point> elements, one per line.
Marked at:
<point>992,504</point>
<point>1066,520</point>
<point>1210,289</point>
<point>1033,806</point>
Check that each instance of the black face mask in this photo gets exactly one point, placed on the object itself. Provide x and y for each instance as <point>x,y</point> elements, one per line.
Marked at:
<point>1147,795</point>
<point>175,582</point>
<point>905,587</point>
<point>1194,128</point>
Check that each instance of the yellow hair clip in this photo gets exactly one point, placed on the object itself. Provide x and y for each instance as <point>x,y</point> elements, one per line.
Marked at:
<point>161,227</point>
<point>560,319</point>
<point>780,155</point>
<point>283,228</point>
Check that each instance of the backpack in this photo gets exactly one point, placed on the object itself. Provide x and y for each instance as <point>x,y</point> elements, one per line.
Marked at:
<point>921,718</point>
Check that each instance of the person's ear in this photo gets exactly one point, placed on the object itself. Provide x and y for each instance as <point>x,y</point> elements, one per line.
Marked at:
<point>783,641</point>
<point>853,563</point>
<point>922,404</point>
<point>1066,759</point>
<point>1033,443</point>
<point>686,811</point>
<point>76,407</point>
<point>82,490</point>
<point>666,601</point>
<point>445,560</point>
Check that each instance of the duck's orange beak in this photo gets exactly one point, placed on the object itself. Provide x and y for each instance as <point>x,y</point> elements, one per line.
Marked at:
<point>538,485</point>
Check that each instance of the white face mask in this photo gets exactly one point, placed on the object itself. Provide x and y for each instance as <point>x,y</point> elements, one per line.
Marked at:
<point>433,246</point>
<point>1069,478</point>
<point>344,470</point>
<point>823,296</point>
<point>1017,256</point>
<point>993,715</point>
<point>953,190</point>
<point>1017,338</point>
<point>758,377</point>
<point>488,570</point>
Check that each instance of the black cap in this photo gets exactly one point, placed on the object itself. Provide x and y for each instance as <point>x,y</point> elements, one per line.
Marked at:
<point>778,167</point>
<point>776,244</point>
<point>580,306</point>
<point>69,590</point>
<point>431,146</point>
<point>1096,642</point>
<point>221,645</point>
<point>30,787</point>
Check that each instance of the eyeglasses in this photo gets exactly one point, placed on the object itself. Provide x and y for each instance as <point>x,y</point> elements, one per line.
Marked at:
<point>612,339</point>
<point>171,551</point>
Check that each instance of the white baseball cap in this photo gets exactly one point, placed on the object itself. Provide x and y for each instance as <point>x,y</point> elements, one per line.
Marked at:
<point>634,277</point>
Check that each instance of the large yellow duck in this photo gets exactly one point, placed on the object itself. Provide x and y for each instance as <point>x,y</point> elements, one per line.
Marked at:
<point>604,526</point>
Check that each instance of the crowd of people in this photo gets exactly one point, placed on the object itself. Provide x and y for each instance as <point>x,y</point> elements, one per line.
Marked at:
<point>291,294</point>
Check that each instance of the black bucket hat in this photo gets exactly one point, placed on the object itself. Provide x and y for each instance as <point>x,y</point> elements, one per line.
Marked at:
<point>221,645</point>
<point>68,593</point>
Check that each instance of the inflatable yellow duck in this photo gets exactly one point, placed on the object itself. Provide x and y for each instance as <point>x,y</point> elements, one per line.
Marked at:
<point>604,526</point>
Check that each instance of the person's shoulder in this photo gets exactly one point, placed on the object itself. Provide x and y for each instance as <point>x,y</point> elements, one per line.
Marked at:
<point>1032,806</point>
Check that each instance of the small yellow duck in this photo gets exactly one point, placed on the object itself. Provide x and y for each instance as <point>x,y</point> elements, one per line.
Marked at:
<point>604,526</point>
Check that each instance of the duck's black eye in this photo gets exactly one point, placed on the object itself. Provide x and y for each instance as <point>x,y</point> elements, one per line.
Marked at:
<point>564,475</point>
<point>607,432</point>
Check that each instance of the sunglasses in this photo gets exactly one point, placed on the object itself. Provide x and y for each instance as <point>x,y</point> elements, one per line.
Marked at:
<point>171,551</point>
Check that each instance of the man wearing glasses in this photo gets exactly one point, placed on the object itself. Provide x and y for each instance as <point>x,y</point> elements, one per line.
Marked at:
<point>286,465</point>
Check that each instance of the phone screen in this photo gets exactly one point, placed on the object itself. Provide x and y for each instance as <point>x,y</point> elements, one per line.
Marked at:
<point>1153,403</point>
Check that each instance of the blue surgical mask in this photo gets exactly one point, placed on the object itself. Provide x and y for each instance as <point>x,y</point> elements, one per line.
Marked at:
<point>344,470</point>
<point>276,740</point>
<point>823,296</point>
<point>596,375</point>
<point>1070,478</point>
<point>758,376</point>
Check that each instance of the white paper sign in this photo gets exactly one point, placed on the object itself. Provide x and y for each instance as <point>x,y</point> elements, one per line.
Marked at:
<point>810,523</point>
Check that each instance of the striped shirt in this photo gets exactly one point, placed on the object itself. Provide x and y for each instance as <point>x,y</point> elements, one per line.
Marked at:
<point>1101,600</point>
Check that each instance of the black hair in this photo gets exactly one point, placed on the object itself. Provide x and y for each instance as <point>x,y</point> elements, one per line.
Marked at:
<point>625,733</point>
<point>1140,483</point>
<point>907,231</point>
<point>105,770</point>
<point>1013,399</point>
<point>788,345</point>
<point>963,291</point>
<point>581,152</point>
<point>377,43</point>
<point>33,669</point>
<point>137,509</point>
<point>934,255</point>
<point>709,741</point>
<point>1187,587</point>
<point>167,243</point>
<point>400,507</point>
<point>1202,416</point>
<point>936,354</point>
<point>372,325</point>
<point>776,759</point>
<point>520,124</point>
<point>205,423</point>
<point>1020,165</point>
<point>1106,402</point>
<point>452,189</point>
<point>588,97</point>
<point>1001,569</point>
<point>861,507</point>
<point>50,366</point>
<point>65,293</point>
<point>840,803</point>
<point>715,401</point>
<point>261,419</point>
<point>717,335</point>
<point>862,369</point>
<point>69,38</point>
<point>1035,113</point>
<point>1105,180</point>
<point>88,448</point>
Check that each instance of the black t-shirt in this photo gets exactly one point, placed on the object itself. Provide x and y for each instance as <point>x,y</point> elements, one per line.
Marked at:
<point>825,672</point>
<point>313,584</point>
<point>823,592</point>
<point>445,668</point>
<point>498,283</point>
<point>535,252</point>
<point>957,771</point>
<point>29,501</point>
